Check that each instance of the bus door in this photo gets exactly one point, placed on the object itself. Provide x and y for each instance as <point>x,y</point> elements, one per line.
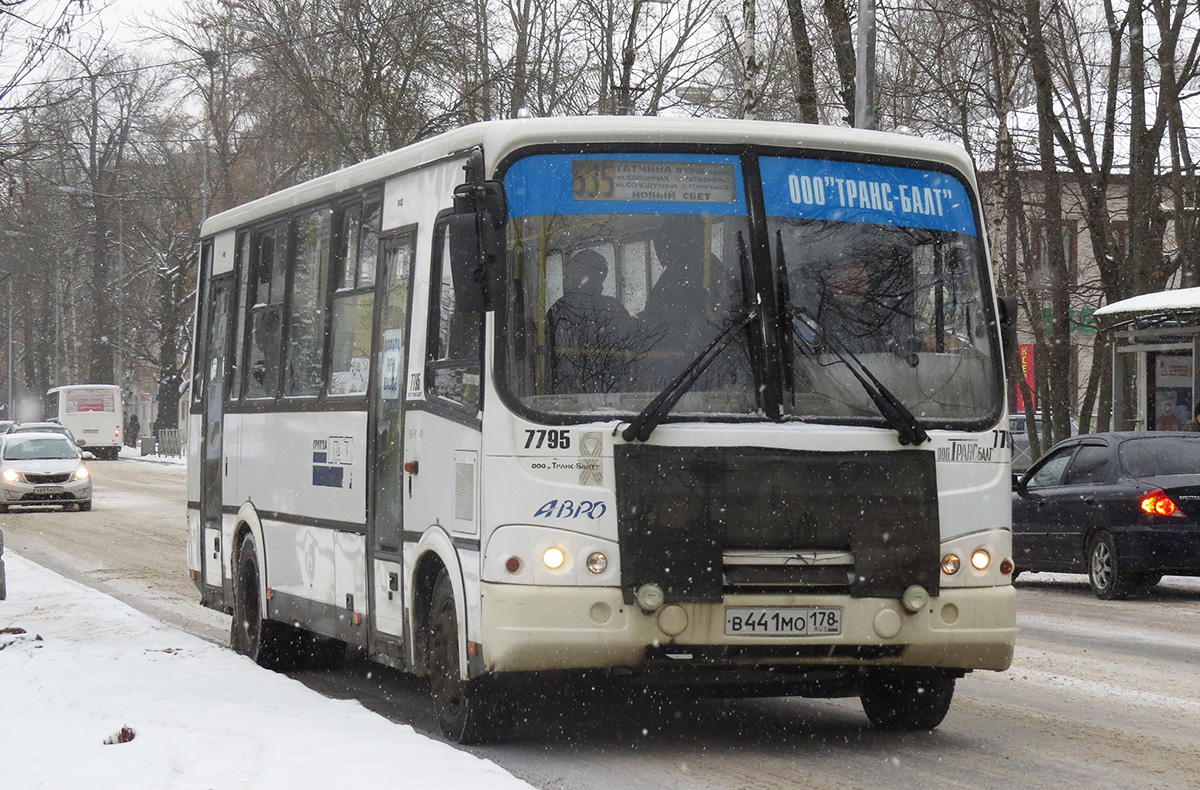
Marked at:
<point>387,457</point>
<point>211,471</point>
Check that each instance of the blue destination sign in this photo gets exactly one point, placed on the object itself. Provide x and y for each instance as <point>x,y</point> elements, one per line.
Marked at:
<point>873,194</point>
<point>625,184</point>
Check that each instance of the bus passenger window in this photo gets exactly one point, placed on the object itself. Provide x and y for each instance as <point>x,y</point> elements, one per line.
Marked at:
<point>356,254</point>
<point>454,337</point>
<point>306,318</point>
<point>266,311</point>
<point>239,337</point>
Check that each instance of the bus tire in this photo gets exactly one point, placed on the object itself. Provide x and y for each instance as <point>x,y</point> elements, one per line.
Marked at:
<point>270,644</point>
<point>900,700</point>
<point>467,711</point>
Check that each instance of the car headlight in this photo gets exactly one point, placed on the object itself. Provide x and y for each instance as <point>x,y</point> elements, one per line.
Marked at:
<point>10,475</point>
<point>81,473</point>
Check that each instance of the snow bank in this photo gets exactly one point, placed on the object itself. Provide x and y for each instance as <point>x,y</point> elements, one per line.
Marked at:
<point>87,665</point>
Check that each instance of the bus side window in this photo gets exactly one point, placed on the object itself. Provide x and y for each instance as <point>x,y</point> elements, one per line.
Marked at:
<point>198,350</point>
<point>240,308</point>
<point>266,311</point>
<point>356,250</point>
<point>455,338</point>
<point>306,318</point>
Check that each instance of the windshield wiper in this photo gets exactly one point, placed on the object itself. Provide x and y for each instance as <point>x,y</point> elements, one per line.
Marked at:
<point>656,410</point>
<point>893,410</point>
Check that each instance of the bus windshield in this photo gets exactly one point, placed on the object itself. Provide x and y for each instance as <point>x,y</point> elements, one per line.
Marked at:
<point>886,263</point>
<point>617,282</point>
<point>623,268</point>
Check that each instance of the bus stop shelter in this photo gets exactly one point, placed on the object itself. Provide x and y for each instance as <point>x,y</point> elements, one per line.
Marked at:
<point>1156,340</point>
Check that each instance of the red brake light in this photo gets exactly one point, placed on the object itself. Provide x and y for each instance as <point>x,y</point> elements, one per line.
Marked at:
<point>1157,503</point>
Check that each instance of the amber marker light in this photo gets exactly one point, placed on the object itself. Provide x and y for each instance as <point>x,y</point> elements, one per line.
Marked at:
<point>980,560</point>
<point>553,558</point>
<point>1006,566</point>
<point>1157,503</point>
<point>951,564</point>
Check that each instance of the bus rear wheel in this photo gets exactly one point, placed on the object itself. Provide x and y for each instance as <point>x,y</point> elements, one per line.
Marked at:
<point>270,644</point>
<point>467,711</point>
<point>899,700</point>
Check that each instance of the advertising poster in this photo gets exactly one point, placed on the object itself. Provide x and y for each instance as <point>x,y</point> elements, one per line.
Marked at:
<point>1172,392</point>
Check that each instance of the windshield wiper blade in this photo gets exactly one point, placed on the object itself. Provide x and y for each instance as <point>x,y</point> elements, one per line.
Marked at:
<point>656,411</point>
<point>893,410</point>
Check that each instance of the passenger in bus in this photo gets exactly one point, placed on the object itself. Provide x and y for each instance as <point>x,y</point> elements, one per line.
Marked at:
<point>850,313</point>
<point>590,333</point>
<point>680,292</point>
<point>690,300</point>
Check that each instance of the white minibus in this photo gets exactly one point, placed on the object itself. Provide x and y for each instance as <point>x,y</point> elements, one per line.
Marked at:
<point>714,405</point>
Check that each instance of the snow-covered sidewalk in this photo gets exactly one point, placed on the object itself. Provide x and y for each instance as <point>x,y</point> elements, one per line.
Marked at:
<point>77,666</point>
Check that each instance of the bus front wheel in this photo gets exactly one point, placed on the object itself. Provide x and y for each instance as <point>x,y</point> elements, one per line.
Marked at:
<point>467,711</point>
<point>268,643</point>
<point>899,700</point>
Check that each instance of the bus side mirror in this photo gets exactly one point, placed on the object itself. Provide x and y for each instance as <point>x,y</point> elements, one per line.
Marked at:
<point>468,263</point>
<point>477,239</point>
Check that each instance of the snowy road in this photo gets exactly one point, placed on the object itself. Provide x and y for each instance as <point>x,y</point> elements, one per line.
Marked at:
<point>1100,693</point>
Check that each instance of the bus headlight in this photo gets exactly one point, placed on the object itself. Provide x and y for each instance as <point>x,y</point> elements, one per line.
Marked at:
<point>10,475</point>
<point>553,558</point>
<point>980,560</point>
<point>950,564</point>
<point>597,562</point>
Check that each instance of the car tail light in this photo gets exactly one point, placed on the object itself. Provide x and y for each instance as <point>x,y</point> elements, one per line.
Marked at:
<point>1157,503</point>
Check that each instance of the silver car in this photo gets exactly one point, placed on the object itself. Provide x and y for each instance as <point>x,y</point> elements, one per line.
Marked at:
<point>42,469</point>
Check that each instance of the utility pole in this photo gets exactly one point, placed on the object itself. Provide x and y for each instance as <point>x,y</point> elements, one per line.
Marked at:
<point>864,73</point>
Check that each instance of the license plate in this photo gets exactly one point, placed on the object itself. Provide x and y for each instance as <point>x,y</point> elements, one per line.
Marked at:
<point>792,621</point>
<point>49,489</point>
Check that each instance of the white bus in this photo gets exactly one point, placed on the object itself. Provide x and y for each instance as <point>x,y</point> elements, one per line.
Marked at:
<point>93,413</point>
<point>712,404</point>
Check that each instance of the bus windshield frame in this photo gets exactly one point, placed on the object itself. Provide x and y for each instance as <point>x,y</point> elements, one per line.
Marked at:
<point>604,246</point>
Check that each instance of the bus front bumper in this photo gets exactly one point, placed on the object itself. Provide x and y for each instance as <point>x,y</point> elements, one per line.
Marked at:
<point>529,628</point>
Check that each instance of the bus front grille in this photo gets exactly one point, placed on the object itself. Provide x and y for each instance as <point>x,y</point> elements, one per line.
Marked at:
<point>683,510</point>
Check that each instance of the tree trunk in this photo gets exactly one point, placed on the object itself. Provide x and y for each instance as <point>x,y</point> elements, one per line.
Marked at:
<point>805,78</point>
<point>1056,359</point>
<point>838,18</point>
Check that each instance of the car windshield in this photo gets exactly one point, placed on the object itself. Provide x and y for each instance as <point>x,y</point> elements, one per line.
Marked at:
<point>1161,455</point>
<point>624,267</point>
<point>18,448</point>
